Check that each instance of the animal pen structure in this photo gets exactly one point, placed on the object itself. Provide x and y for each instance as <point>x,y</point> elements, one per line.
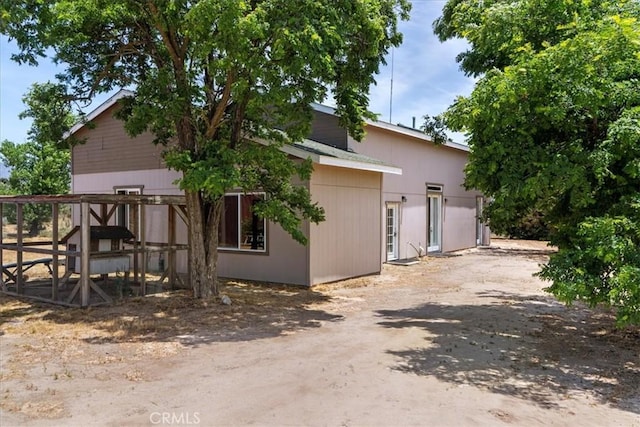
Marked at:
<point>91,256</point>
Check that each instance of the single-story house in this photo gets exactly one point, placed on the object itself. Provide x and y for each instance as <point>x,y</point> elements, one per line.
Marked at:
<point>385,199</point>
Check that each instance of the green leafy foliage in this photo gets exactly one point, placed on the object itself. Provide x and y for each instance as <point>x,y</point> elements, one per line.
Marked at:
<point>435,128</point>
<point>554,128</point>
<point>37,166</point>
<point>210,75</point>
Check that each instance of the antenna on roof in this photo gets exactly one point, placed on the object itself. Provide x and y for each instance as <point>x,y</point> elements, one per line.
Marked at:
<point>391,89</point>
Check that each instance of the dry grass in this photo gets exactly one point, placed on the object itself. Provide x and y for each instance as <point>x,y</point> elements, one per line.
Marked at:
<point>10,256</point>
<point>118,342</point>
<point>160,317</point>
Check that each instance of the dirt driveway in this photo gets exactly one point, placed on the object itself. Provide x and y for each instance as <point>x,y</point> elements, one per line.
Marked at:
<point>469,339</point>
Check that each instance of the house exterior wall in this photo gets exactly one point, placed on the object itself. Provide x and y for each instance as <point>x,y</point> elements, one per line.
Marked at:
<point>106,145</point>
<point>351,242</point>
<point>326,129</point>
<point>347,243</point>
<point>422,163</point>
<point>100,165</point>
<point>285,261</point>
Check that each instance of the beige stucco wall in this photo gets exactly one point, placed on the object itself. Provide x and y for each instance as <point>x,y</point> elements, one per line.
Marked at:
<point>422,163</point>
<point>347,243</point>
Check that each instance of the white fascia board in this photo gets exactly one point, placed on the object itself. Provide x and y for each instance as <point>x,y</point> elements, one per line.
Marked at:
<point>351,164</point>
<point>323,108</point>
<point>99,110</point>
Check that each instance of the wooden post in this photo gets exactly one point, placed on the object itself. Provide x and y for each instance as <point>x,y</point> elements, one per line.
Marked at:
<point>54,247</point>
<point>19,224</point>
<point>136,234</point>
<point>171,254</point>
<point>143,248</point>
<point>103,214</point>
<point>2,283</point>
<point>85,250</point>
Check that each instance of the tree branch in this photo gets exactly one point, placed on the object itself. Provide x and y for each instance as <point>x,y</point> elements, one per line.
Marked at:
<point>221,107</point>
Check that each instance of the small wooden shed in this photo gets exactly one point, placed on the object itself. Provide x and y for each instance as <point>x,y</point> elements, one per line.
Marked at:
<point>103,238</point>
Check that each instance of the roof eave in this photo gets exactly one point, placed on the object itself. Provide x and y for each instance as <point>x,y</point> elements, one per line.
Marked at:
<point>341,163</point>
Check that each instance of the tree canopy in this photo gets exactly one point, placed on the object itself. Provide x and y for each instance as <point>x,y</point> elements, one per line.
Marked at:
<point>39,165</point>
<point>212,75</point>
<point>554,127</point>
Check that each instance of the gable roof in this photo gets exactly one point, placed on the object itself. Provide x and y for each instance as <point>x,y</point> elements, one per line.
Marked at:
<point>318,153</point>
<point>415,133</point>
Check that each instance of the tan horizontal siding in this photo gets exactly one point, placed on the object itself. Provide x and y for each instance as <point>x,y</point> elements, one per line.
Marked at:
<point>347,244</point>
<point>108,148</point>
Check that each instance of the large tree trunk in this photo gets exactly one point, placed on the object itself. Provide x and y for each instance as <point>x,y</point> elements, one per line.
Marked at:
<point>204,218</point>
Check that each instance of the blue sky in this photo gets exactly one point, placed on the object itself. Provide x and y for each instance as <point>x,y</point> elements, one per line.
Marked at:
<point>426,77</point>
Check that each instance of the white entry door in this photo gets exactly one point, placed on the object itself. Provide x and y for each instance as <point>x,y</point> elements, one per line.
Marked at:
<point>479,223</point>
<point>435,222</point>
<point>391,230</point>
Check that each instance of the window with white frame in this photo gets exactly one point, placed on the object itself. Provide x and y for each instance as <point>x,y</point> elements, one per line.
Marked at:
<point>240,228</point>
<point>124,214</point>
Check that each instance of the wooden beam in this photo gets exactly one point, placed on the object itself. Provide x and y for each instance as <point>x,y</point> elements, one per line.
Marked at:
<point>28,244</point>
<point>113,210</point>
<point>85,242</point>
<point>143,249</point>
<point>98,198</point>
<point>65,279</point>
<point>135,211</point>
<point>99,291</point>
<point>74,291</point>
<point>2,283</point>
<point>36,298</point>
<point>95,215</point>
<point>182,213</point>
<point>171,235</point>
<point>54,247</point>
<point>103,214</point>
<point>19,225</point>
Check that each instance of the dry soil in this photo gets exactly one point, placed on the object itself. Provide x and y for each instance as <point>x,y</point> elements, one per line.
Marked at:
<point>465,339</point>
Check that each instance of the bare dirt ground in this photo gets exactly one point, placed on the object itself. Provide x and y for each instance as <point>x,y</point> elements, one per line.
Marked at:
<point>469,339</point>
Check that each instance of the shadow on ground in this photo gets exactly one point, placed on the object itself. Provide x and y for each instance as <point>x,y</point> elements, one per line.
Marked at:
<point>540,255</point>
<point>531,348</point>
<point>257,311</point>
